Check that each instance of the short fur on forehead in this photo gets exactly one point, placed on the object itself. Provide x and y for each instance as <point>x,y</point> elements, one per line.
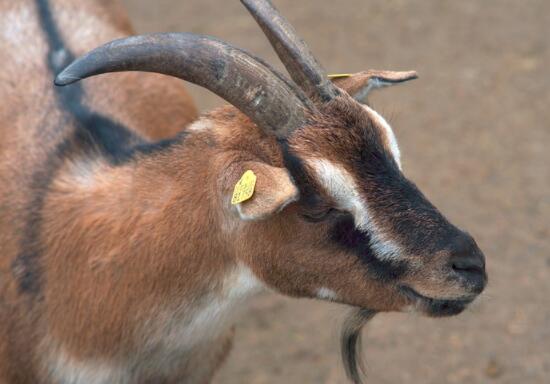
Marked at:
<point>342,132</point>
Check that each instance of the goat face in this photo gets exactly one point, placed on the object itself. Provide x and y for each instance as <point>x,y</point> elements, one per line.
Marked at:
<point>340,221</point>
<point>362,233</point>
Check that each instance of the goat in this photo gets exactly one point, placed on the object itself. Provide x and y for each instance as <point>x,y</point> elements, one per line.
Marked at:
<point>124,258</point>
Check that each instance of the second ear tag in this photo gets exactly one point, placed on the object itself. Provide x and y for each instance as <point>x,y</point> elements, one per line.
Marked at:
<point>244,189</point>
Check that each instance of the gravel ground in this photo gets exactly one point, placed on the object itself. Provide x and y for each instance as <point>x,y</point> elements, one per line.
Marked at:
<point>474,134</point>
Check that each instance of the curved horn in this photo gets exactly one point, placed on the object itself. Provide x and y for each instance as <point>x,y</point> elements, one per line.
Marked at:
<point>292,50</point>
<point>242,80</point>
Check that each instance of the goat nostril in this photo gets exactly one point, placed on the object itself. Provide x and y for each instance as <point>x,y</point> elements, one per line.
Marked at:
<point>459,266</point>
<point>472,269</point>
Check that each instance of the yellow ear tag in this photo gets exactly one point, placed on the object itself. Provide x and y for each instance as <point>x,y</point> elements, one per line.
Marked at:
<point>244,189</point>
<point>338,75</point>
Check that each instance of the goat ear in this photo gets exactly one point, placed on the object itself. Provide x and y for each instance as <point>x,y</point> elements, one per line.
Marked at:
<point>273,190</point>
<point>359,84</point>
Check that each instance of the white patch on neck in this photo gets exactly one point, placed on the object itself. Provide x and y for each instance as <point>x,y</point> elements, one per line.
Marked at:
<point>390,136</point>
<point>343,189</point>
<point>326,294</point>
<point>169,336</point>
<point>205,319</point>
<point>64,369</point>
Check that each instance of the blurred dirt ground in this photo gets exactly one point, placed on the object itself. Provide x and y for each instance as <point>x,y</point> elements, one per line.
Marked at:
<point>475,135</point>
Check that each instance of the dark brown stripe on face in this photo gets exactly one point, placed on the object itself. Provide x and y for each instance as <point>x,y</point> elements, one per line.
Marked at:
<point>395,203</point>
<point>309,196</point>
<point>346,235</point>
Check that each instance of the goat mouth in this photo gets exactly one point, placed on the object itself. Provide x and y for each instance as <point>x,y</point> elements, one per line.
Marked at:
<point>435,307</point>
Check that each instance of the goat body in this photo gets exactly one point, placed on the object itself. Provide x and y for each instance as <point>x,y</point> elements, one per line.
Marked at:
<point>122,259</point>
<point>88,212</point>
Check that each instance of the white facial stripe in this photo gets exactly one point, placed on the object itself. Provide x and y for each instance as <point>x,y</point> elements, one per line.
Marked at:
<point>343,189</point>
<point>392,141</point>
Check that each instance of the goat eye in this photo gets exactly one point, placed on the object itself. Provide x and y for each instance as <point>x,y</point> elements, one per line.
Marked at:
<point>315,216</point>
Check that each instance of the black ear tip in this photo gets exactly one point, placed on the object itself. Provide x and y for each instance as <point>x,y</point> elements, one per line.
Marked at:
<point>406,76</point>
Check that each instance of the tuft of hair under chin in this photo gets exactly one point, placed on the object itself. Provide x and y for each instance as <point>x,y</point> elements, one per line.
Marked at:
<point>350,343</point>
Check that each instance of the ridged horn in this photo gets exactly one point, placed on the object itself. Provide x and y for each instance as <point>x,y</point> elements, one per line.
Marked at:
<point>292,50</point>
<point>265,96</point>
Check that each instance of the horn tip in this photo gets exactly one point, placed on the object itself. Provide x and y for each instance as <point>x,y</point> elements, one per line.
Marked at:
<point>65,78</point>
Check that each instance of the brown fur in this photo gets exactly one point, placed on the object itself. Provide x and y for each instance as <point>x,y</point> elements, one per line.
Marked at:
<point>140,101</point>
<point>128,252</point>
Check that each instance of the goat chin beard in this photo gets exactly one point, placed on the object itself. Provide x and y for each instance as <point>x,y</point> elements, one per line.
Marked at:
<point>350,337</point>
<point>350,343</point>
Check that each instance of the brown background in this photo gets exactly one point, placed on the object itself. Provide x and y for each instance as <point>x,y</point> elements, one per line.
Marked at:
<point>474,133</point>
